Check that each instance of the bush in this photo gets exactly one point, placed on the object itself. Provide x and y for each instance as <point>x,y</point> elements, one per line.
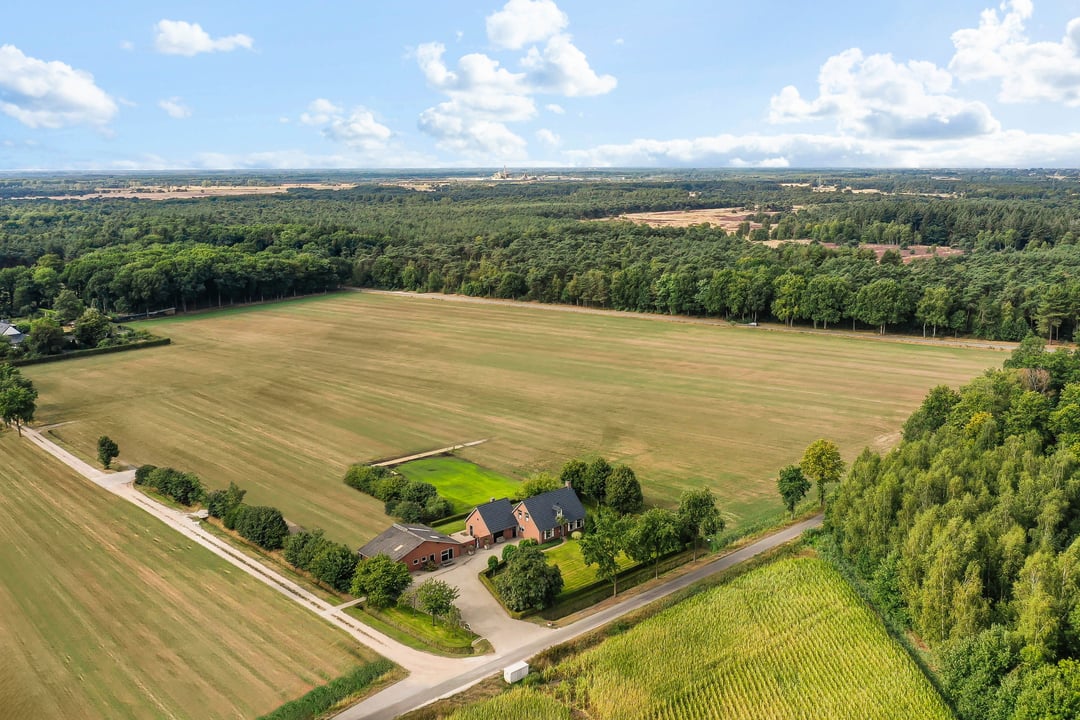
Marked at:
<point>220,502</point>
<point>508,552</point>
<point>493,562</point>
<point>184,488</point>
<point>143,473</point>
<point>407,510</point>
<point>301,548</point>
<point>365,477</point>
<point>334,565</point>
<point>262,525</point>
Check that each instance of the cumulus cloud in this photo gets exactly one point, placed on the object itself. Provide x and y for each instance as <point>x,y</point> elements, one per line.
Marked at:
<point>877,96</point>
<point>50,94</point>
<point>483,96</point>
<point>177,37</point>
<point>175,107</point>
<point>999,49</point>
<point>561,68</point>
<point>555,108</point>
<point>357,129</point>
<point>523,22</point>
<point>548,137</point>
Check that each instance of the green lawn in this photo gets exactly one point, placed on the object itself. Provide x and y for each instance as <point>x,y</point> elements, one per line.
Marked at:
<point>576,574</point>
<point>417,626</point>
<point>461,482</point>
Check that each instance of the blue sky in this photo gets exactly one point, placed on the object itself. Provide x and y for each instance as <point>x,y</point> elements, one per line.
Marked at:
<point>537,83</point>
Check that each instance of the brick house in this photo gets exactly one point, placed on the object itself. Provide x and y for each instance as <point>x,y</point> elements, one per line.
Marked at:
<point>414,545</point>
<point>553,514</point>
<point>491,522</point>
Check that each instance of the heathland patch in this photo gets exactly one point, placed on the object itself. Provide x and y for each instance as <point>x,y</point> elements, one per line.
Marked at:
<point>109,613</point>
<point>283,399</point>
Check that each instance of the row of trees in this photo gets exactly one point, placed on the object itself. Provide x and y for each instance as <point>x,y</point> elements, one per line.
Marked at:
<point>614,487</point>
<point>969,533</point>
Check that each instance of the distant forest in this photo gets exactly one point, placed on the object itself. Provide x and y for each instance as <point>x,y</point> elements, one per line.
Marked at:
<point>1019,273</point>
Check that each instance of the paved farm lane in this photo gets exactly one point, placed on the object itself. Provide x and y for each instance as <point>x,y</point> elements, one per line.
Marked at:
<point>425,667</point>
<point>411,693</point>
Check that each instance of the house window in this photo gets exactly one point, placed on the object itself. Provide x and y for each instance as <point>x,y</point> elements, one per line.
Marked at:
<point>578,524</point>
<point>470,531</point>
<point>521,529</point>
<point>416,561</point>
<point>526,516</point>
<point>548,534</point>
<point>447,554</point>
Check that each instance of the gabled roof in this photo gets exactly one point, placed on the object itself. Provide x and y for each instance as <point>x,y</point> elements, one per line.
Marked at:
<point>545,507</point>
<point>498,515</point>
<point>400,539</point>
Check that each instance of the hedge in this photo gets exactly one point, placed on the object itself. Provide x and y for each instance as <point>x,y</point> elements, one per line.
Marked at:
<point>91,351</point>
<point>315,703</point>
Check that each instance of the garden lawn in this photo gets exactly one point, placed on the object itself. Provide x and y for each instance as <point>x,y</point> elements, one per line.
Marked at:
<point>576,574</point>
<point>283,398</point>
<point>461,482</point>
<point>105,612</point>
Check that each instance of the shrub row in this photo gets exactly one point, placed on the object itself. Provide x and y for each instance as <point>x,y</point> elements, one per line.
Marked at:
<point>328,561</point>
<point>263,525</point>
<point>92,351</point>
<point>315,703</point>
<point>410,500</point>
<point>184,488</point>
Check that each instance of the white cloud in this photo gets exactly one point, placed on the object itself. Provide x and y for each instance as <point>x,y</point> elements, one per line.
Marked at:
<point>555,108</point>
<point>483,96</point>
<point>127,45</point>
<point>563,69</point>
<point>1005,148</point>
<point>877,96</point>
<point>51,94</point>
<point>175,107</point>
<point>999,49</point>
<point>548,137</point>
<point>523,22</point>
<point>177,37</point>
<point>358,129</point>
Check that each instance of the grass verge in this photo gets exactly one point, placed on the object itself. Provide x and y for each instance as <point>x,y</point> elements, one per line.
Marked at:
<point>413,628</point>
<point>341,691</point>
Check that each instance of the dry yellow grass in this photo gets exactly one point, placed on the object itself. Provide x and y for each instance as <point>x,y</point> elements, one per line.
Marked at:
<point>282,398</point>
<point>107,613</point>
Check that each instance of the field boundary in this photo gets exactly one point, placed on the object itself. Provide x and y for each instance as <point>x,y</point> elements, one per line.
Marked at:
<point>430,453</point>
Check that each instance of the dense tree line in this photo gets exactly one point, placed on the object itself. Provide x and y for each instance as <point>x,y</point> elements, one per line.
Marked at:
<point>969,533</point>
<point>410,500</point>
<point>538,242</point>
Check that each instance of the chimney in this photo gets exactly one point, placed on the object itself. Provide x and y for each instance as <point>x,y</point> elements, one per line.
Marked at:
<point>491,500</point>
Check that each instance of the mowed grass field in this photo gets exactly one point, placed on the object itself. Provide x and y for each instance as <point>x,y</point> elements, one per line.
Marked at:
<point>463,483</point>
<point>575,573</point>
<point>283,398</point>
<point>789,640</point>
<point>107,613</point>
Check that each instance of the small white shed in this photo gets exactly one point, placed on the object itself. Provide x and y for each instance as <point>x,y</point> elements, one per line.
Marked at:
<point>515,672</point>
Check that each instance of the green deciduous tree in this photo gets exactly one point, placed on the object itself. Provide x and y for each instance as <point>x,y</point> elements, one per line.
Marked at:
<point>822,464</point>
<point>436,598</point>
<point>334,565</point>
<point>573,472</point>
<point>68,306</point>
<point>622,491</point>
<point>699,515</point>
<point>262,525</point>
<point>793,486</point>
<point>107,450</point>
<point>603,543</point>
<point>381,581</point>
<point>541,482</point>
<point>528,581</point>
<point>91,328</point>
<point>653,535</point>
<point>46,337</point>
<point>18,397</point>
<point>594,483</point>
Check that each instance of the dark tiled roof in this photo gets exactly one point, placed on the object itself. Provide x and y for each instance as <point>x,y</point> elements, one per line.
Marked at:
<point>498,515</point>
<point>400,539</point>
<point>545,507</point>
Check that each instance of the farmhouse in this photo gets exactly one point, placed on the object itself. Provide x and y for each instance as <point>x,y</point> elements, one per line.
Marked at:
<point>414,545</point>
<point>491,522</point>
<point>553,514</point>
<point>11,333</point>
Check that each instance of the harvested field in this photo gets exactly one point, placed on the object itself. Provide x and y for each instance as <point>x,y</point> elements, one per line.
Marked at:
<point>109,613</point>
<point>283,398</point>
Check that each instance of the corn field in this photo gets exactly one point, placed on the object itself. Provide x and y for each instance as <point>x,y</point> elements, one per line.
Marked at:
<point>518,704</point>
<point>790,640</point>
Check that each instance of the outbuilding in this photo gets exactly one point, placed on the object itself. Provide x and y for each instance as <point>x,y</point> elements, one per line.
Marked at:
<point>415,545</point>
<point>491,522</point>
